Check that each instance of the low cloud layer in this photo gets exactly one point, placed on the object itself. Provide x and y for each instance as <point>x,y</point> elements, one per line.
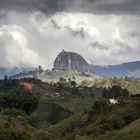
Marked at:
<point>103,32</point>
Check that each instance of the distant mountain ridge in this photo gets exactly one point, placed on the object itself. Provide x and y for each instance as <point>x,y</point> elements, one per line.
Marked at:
<point>12,71</point>
<point>130,69</point>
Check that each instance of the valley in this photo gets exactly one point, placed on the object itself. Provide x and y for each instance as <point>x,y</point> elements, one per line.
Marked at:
<point>78,112</point>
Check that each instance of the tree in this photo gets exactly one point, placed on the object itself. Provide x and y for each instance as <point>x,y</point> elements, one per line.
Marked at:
<point>115,92</point>
<point>5,78</point>
<point>19,98</point>
<point>40,69</point>
<point>62,84</point>
<point>72,83</point>
<point>85,83</point>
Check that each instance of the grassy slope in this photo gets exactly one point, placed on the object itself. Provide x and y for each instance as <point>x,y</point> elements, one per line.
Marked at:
<point>75,104</point>
<point>48,112</point>
<point>100,124</point>
<point>133,86</point>
<point>19,129</point>
<point>54,76</point>
<point>129,132</point>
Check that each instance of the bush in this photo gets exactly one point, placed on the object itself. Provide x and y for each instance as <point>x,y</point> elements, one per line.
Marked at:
<point>13,112</point>
<point>19,98</point>
<point>11,134</point>
<point>115,92</point>
<point>42,135</point>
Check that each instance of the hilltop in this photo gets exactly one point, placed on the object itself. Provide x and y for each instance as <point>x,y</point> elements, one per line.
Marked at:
<point>54,76</point>
<point>130,69</point>
<point>71,60</point>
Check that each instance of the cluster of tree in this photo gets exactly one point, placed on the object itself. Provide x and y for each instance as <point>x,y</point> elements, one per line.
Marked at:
<point>19,98</point>
<point>64,84</point>
<point>7,84</point>
<point>115,92</point>
<point>85,83</point>
<point>39,69</point>
<point>68,87</point>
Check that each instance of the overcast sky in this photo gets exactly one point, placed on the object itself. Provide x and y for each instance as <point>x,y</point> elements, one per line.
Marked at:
<point>33,32</point>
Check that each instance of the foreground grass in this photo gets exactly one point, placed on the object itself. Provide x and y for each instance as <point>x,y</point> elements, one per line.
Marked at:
<point>129,132</point>
<point>75,104</point>
<point>102,122</point>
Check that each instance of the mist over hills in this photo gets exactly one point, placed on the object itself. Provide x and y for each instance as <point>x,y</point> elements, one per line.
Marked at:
<point>12,71</point>
<point>73,64</point>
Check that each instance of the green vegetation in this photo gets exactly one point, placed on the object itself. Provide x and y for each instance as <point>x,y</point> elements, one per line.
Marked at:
<point>6,85</point>
<point>56,75</point>
<point>129,132</point>
<point>101,120</point>
<point>68,111</point>
<point>13,112</point>
<point>116,92</point>
<point>11,134</point>
<point>74,104</point>
<point>48,113</point>
<point>19,98</point>
<point>133,86</point>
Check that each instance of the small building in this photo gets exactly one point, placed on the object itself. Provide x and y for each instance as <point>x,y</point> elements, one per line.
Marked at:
<point>113,101</point>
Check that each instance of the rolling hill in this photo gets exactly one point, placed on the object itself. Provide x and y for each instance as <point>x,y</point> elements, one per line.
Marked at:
<point>130,69</point>
<point>12,71</point>
<point>102,122</point>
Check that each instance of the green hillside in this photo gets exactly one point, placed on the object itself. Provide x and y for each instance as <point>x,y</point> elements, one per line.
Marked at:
<point>132,85</point>
<point>32,111</point>
<point>75,104</point>
<point>100,122</point>
<point>54,76</point>
<point>129,132</point>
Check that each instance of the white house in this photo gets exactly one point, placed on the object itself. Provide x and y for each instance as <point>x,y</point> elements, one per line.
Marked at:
<point>113,101</point>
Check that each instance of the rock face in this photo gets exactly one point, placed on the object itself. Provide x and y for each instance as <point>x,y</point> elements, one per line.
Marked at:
<point>70,60</point>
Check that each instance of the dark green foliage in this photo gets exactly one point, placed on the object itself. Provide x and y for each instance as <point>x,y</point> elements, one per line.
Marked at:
<point>5,78</point>
<point>132,85</point>
<point>19,98</point>
<point>11,134</point>
<point>73,84</point>
<point>48,113</point>
<point>135,95</point>
<point>32,80</point>
<point>6,85</point>
<point>62,84</point>
<point>115,92</point>
<point>13,112</point>
<point>102,119</point>
<point>42,135</point>
<point>85,83</point>
<point>90,119</point>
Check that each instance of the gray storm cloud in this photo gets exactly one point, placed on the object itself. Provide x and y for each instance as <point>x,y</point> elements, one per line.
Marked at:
<point>88,6</point>
<point>33,32</point>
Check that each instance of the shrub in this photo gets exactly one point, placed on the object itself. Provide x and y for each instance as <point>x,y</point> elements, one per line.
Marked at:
<point>11,134</point>
<point>13,112</point>
<point>19,98</point>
